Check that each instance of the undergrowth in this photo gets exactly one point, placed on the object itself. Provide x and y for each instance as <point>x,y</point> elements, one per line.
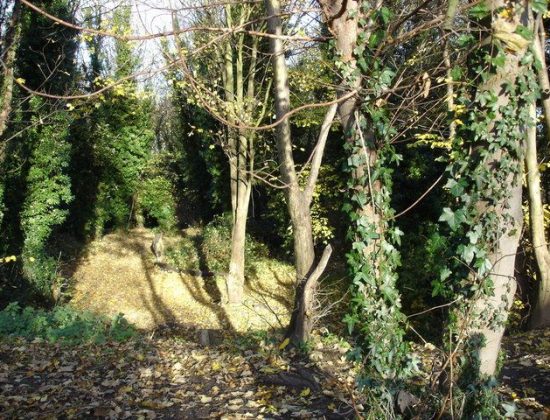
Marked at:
<point>62,324</point>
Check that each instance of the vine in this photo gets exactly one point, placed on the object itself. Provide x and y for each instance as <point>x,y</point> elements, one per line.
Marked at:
<point>485,163</point>
<point>375,315</point>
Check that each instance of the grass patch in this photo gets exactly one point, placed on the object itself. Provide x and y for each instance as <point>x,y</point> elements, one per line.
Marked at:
<point>63,324</point>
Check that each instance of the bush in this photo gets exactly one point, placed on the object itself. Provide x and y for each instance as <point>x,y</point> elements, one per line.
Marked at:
<point>184,256</point>
<point>216,245</point>
<point>157,201</point>
<point>63,324</point>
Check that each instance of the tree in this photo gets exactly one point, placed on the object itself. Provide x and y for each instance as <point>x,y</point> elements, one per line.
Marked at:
<point>47,186</point>
<point>485,179</point>
<point>541,314</point>
<point>8,56</point>
<point>298,197</point>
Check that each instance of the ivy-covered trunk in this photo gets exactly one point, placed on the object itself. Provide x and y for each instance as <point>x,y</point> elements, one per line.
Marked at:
<point>502,163</point>
<point>47,199</point>
<point>375,315</point>
<point>485,182</point>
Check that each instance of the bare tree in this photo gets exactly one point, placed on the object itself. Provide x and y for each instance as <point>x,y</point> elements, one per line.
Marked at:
<point>298,198</point>
<point>541,314</point>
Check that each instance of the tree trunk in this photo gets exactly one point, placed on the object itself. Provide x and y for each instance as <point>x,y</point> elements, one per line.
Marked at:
<point>504,281</point>
<point>10,52</point>
<point>303,316</point>
<point>491,311</point>
<point>541,314</point>
<point>544,82</point>
<point>298,199</point>
<point>235,277</point>
<point>298,203</point>
<point>300,214</point>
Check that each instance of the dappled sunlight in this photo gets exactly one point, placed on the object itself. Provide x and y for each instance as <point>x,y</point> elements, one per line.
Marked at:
<point>118,275</point>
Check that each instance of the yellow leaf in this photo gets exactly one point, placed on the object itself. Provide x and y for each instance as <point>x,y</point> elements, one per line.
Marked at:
<point>20,80</point>
<point>285,343</point>
<point>305,392</point>
<point>216,366</point>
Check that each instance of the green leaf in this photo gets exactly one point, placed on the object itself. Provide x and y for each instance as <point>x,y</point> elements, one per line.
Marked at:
<point>449,217</point>
<point>456,73</point>
<point>480,11</point>
<point>385,15</point>
<point>539,6</point>
<point>445,273</point>
<point>525,32</point>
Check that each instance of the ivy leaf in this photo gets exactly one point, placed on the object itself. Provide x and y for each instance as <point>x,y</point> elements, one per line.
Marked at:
<point>385,15</point>
<point>525,32</point>
<point>450,217</point>
<point>539,6</point>
<point>464,40</point>
<point>474,234</point>
<point>445,273</point>
<point>467,253</point>
<point>480,11</point>
<point>456,73</point>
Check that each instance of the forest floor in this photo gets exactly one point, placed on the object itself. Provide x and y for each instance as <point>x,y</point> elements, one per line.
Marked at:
<point>170,375</point>
<point>118,274</point>
<point>198,358</point>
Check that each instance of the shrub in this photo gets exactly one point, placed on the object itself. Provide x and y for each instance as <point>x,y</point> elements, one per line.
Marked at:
<point>216,245</point>
<point>47,199</point>
<point>157,201</point>
<point>184,256</point>
<point>62,324</point>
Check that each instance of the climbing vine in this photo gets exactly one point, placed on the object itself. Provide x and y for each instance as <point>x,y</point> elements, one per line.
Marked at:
<point>375,315</point>
<point>486,158</point>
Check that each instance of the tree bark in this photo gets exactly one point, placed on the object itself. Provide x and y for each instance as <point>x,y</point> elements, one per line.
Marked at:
<point>541,315</point>
<point>303,316</point>
<point>544,82</point>
<point>509,211</point>
<point>9,56</point>
<point>298,199</point>
<point>240,149</point>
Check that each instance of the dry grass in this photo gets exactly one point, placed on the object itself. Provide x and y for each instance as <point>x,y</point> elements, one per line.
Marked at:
<point>118,274</point>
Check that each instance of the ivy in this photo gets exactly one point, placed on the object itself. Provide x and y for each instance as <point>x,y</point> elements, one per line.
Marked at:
<point>375,316</point>
<point>47,199</point>
<point>486,157</point>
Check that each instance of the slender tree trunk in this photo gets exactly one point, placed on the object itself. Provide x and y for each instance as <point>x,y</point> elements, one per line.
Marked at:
<point>541,314</point>
<point>241,151</point>
<point>235,277</point>
<point>298,204</point>
<point>9,56</point>
<point>298,199</point>
<point>544,82</point>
